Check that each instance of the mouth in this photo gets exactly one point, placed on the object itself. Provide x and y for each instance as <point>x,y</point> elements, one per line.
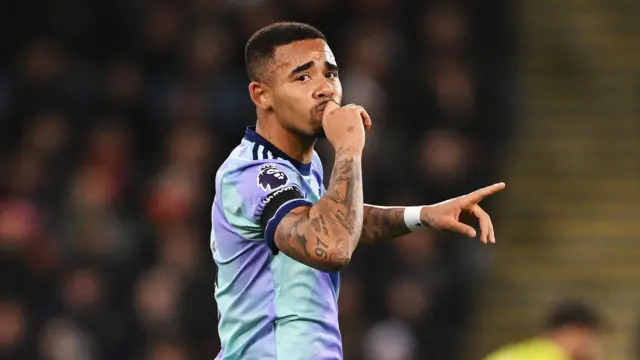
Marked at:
<point>320,107</point>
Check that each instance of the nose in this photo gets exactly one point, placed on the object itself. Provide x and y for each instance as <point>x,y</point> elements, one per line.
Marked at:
<point>324,91</point>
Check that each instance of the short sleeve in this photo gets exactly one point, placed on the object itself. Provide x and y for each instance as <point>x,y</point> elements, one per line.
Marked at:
<point>257,196</point>
<point>318,172</point>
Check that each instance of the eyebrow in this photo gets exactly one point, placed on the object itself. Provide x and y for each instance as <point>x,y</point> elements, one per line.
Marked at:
<point>330,66</point>
<point>309,65</point>
<point>301,68</point>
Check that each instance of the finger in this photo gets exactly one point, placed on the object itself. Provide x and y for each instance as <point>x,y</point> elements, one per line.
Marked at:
<point>492,233</point>
<point>330,106</point>
<point>366,119</point>
<point>477,196</point>
<point>461,228</point>
<point>485,223</point>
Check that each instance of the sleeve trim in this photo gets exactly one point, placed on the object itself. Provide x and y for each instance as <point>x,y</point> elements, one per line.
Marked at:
<point>273,223</point>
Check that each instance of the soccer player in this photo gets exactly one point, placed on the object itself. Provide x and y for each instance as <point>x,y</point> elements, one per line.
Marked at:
<point>279,238</point>
<point>573,330</point>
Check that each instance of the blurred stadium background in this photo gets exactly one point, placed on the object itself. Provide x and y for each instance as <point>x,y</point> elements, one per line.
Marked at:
<point>114,116</point>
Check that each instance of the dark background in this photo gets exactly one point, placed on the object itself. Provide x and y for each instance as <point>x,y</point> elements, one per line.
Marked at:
<point>114,116</point>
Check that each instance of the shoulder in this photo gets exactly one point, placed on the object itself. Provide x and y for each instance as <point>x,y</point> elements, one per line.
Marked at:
<point>503,353</point>
<point>263,175</point>
<point>533,349</point>
<point>241,166</point>
<point>245,186</point>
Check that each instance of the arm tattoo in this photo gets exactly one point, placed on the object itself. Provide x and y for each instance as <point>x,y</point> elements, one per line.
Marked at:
<point>345,200</point>
<point>321,249</point>
<point>344,220</point>
<point>296,244</point>
<point>325,235</point>
<point>383,222</point>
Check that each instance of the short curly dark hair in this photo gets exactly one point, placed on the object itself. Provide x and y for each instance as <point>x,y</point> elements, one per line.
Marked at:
<point>573,312</point>
<point>261,46</point>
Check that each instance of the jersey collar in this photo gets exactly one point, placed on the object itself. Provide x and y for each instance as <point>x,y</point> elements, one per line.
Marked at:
<point>252,136</point>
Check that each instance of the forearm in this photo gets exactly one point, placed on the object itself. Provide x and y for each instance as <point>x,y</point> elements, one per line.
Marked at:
<point>342,205</point>
<point>382,222</point>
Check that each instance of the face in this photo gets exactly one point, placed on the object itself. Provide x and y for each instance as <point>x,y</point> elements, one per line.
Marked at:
<point>302,78</point>
<point>589,345</point>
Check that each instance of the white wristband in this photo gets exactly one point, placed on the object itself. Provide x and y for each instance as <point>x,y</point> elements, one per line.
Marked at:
<point>412,218</point>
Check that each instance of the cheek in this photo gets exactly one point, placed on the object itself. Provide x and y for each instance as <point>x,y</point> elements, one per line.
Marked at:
<point>337,88</point>
<point>299,98</point>
<point>291,103</point>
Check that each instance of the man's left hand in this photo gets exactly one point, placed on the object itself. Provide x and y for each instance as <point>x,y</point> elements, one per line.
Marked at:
<point>445,215</point>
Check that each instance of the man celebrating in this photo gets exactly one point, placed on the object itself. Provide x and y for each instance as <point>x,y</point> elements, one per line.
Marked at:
<point>279,237</point>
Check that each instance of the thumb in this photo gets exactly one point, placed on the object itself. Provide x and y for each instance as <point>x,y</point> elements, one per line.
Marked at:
<point>329,107</point>
<point>462,229</point>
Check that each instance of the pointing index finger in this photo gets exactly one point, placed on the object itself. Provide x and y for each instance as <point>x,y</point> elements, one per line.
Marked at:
<point>478,195</point>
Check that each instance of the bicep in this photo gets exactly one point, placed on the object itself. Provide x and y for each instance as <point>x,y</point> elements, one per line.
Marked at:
<point>301,237</point>
<point>296,227</point>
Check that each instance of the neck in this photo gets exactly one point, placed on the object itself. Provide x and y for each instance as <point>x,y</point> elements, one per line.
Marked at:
<point>566,343</point>
<point>297,146</point>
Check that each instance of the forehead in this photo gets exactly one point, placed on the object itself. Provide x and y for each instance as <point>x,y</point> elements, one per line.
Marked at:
<point>289,56</point>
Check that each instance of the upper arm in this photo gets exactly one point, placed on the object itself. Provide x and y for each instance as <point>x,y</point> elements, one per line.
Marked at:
<point>253,195</point>
<point>303,235</point>
<point>292,225</point>
<point>298,230</point>
<point>265,201</point>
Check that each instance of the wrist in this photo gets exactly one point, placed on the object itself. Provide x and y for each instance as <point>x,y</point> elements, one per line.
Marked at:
<point>413,217</point>
<point>349,151</point>
<point>426,215</point>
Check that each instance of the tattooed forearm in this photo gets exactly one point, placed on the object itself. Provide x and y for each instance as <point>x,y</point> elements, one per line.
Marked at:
<point>382,222</point>
<point>344,198</point>
<point>345,185</point>
<point>345,221</point>
<point>325,235</point>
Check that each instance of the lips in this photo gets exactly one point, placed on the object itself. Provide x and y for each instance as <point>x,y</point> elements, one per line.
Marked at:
<point>320,107</point>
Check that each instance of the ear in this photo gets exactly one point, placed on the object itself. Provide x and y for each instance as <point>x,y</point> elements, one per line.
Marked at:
<point>259,93</point>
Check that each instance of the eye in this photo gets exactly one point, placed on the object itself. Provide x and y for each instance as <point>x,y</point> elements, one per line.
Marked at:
<point>303,78</point>
<point>332,75</point>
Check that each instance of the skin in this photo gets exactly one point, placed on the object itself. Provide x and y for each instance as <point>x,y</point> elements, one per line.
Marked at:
<point>579,343</point>
<point>297,103</point>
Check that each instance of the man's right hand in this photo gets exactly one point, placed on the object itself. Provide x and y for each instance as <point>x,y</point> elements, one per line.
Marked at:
<point>344,126</point>
<point>325,235</point>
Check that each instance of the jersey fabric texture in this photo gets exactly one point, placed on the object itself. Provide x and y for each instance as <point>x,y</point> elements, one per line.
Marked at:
<point>270,306</point>
<point>534,349</point>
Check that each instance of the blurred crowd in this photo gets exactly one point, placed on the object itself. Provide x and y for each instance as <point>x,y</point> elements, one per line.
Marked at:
<point>116,114</point>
